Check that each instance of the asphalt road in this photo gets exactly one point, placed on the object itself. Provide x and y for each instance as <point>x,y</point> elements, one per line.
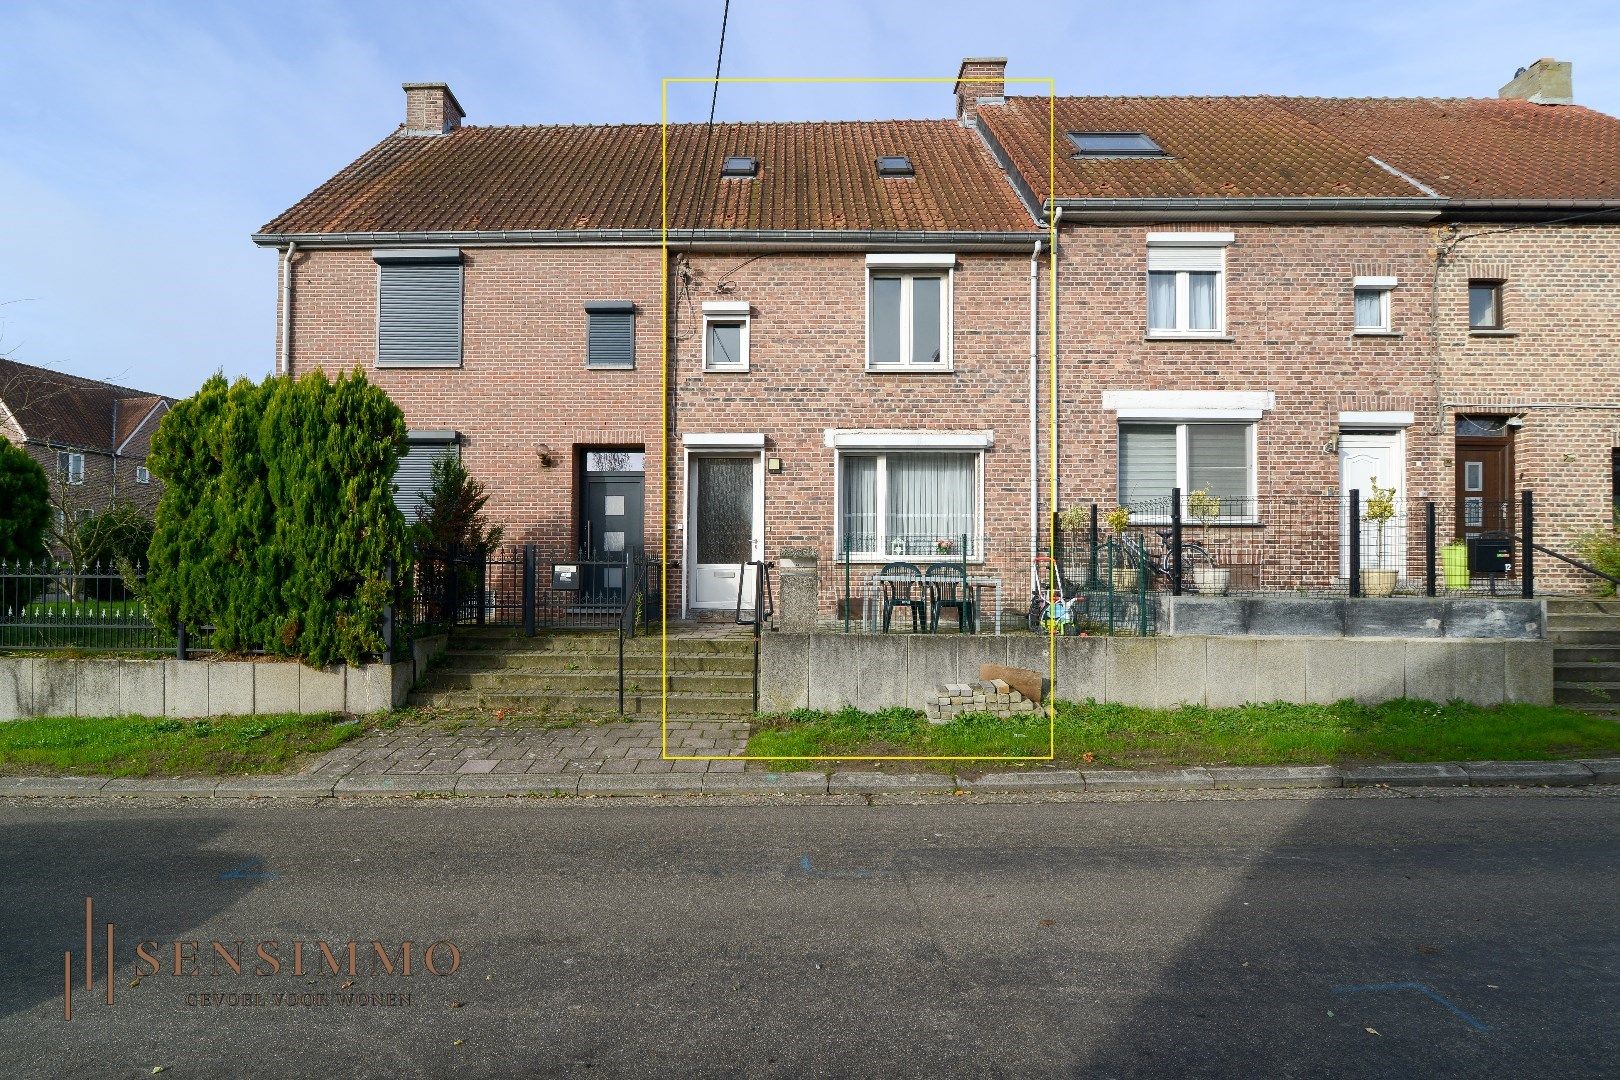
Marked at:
<point>1394,936</point>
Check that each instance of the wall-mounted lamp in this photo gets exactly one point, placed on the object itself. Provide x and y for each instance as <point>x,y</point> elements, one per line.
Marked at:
<point>1332,446</point>
<point>1515,421</point>
<point>543,452</point>
<point>773,464</point>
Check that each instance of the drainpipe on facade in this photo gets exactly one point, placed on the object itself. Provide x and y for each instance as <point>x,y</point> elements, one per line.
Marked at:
<point>1034,398</point>
<point>284,356</point>
<point>1057,313</point>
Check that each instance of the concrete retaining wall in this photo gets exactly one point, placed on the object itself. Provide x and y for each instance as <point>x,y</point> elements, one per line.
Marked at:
<point>1395,616</point>
<point>46,686</point>
<point>832,671</point>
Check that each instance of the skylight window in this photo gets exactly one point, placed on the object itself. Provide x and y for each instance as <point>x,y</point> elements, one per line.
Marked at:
<point>895,165</point>
<point>740,165</point>
<point>1114,144</point>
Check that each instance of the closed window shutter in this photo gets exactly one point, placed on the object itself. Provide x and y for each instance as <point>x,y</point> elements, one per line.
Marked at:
<point>413,477</point>
<point>419,309</point>
<point>610,337</point>
<point>1147,466</point>
<point>1161,257</point>
<point>1218,462</point>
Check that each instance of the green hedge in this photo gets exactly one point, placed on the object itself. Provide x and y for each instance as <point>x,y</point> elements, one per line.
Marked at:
<point>25,505</point>
<point>277,525</point>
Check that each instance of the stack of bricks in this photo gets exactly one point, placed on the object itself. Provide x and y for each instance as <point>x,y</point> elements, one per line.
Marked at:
<point>951,700</point>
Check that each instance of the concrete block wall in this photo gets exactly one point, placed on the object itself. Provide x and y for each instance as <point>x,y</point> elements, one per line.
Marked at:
<point>48,686</point>
<point>1392,617</point>
<point>834,671</point>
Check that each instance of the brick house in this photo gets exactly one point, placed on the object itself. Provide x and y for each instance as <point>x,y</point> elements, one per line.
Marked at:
<point>1267,298</point>
<point>91,437</point>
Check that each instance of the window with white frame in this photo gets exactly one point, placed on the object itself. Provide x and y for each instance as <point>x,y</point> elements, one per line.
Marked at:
<point>143,475</point>
<point>1187,284</point>
<point>908,312</point>
<point>909,504</point>
<point>1371,296</point>
<point>70,466</point>
<point>1215,458</point>
<point>725,336</point>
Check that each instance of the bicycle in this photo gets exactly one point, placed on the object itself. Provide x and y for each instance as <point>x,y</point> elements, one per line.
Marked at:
<point>1194,556</point>
<point>1052,603</point>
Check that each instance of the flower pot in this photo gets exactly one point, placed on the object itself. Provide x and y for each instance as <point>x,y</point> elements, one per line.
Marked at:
<point>1379,582</point>
<point>1211,580</point>
<point>1124,580</point>
<point>1454,563</point>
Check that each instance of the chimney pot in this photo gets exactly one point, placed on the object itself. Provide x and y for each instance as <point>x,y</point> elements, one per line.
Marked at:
<point>1545,82</point>
<point>431,109</point>
<point>981,80</point>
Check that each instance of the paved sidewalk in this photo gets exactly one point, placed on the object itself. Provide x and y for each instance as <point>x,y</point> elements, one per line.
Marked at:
<point>609,748</point>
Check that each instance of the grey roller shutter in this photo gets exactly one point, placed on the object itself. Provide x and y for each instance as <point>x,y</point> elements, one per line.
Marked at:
<point>413,478</point>
<point>419,307</point>
<point>610,338</point>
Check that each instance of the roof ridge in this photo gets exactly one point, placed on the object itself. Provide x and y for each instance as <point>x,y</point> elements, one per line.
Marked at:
<point>931,121</point>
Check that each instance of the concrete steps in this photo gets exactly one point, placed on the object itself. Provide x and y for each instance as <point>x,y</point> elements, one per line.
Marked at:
<point>1586,654</point>
<point>577,674</point>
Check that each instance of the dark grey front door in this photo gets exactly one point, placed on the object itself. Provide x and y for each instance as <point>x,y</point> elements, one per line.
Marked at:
<point>611,527</point>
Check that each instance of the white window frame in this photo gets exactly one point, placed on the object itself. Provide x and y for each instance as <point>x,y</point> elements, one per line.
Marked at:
<point>73,474</point>
<point>1385,287</point>
<point>908,268</point>
<point>143,475</point>
<point>1218,241</point>
<point>726,312</point>
<point>883,453</point>
<point>1183,467</point>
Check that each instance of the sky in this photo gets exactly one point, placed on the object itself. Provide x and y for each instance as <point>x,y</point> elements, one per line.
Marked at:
<point>145,142</point>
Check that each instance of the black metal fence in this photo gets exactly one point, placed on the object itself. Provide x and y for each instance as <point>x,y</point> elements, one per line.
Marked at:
<point>1329,545</point>
<point>49,605</point>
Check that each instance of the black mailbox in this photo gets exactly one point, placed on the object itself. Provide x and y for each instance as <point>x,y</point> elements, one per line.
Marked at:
<point>1490,554</point>
<point>565,577</point>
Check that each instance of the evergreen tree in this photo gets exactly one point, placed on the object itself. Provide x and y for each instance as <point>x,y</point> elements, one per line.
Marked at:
<point>25,505</point>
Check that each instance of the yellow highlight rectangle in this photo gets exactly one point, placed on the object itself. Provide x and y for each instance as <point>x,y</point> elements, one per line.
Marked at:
<point>663,346</point>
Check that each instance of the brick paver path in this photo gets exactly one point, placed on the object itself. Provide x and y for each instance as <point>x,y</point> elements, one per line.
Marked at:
<point>610,747</point>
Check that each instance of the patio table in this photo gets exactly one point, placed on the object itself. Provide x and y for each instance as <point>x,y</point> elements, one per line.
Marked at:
<point>872,597</point>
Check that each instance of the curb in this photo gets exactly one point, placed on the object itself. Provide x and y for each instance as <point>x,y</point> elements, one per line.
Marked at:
<point>1580,773</point>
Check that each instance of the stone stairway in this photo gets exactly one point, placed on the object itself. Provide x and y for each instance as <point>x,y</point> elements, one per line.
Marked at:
<point>577,674</point>
<point>1586,654</point>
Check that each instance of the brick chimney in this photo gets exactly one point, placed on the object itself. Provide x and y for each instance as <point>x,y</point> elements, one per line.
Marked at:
<point>1545,82</point>
<point>431,109</point>
<point>980,78</point>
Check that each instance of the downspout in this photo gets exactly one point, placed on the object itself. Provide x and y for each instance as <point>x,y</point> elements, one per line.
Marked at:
<point>1034,407</point>
<point>284,357</point>
<point>1057,223</point>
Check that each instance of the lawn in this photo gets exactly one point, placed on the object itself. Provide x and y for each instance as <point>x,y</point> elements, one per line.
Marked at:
<point>146,746</point>
<point>1094,735</point>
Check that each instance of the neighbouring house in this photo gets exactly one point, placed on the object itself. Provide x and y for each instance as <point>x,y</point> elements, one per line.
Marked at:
<point>91,437</point>
<point>1270,299</point>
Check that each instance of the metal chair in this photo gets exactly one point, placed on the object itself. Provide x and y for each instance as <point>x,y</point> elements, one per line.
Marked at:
<point>903,586</point>
<point>948,588</point>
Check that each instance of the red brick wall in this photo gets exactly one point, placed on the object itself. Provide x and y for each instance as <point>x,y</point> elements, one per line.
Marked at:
<point>523,384</point>
<point>1560,303</point>
<point>1290,316</point>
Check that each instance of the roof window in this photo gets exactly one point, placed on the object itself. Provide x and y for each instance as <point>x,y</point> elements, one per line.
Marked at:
<point>1115,144</point>
<point>740,165</point>
<point>895,165</point>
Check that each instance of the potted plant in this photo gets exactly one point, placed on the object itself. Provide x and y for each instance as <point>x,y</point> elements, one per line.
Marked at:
<point>944,546</point>
<point>1206,509</point>
<point>1378,510</point>
<point>1118,521</point>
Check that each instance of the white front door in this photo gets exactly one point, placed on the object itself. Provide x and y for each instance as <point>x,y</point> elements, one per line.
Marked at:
<point>723,512</point>
<point>1366,457</point>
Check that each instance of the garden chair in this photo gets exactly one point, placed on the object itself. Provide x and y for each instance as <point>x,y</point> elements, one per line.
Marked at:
<point>948,588</point>
<point>903,587</point>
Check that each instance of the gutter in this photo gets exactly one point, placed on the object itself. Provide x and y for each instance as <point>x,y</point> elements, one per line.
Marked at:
<point>684,239</point>
<point>1333,209</point>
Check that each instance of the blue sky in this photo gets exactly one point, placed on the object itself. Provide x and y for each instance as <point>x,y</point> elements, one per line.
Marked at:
<point>146,141</point>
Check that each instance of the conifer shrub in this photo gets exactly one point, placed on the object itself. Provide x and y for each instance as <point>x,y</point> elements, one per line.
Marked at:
<point>25,505</point>
<point>277,525</point>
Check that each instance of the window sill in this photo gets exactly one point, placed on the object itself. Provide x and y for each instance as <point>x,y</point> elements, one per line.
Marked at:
<point>407,367</point>
<point>1189,523</point>
<point>910,369</point>
<point>610,367</point>
<point>714,370</point>
<point>880,561</point>
<point>1188,337</point>
<point>1485,333</point>
<point>1380,333</point>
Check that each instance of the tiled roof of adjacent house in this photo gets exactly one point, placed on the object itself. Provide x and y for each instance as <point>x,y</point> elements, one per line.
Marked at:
<point>812,176</point>
<point>69,410</point>
<point>1284,147</point>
